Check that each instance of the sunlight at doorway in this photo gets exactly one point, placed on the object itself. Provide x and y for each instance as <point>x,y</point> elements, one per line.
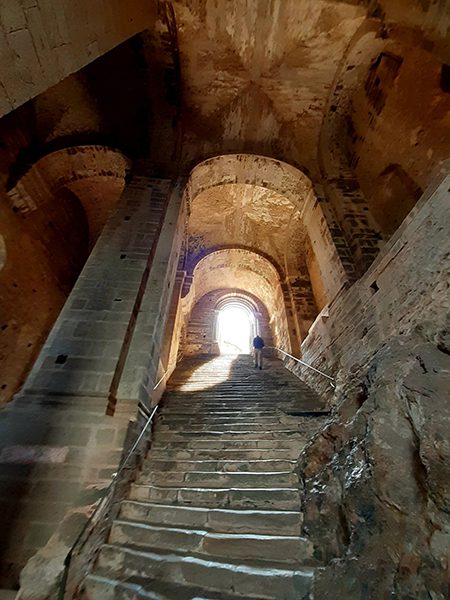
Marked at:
<point>234,330</point>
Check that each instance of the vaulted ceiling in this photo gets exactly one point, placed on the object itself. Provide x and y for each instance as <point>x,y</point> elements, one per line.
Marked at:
<point>256,76</point>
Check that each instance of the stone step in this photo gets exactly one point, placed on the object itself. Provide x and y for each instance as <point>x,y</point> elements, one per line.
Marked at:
<point>217,520</point>
<point>264,415</point>
<point>219,479</point>
<point>198,419</point>
<point>276,498</point>
<point>204,405</point>
<point>230,427</point>
<point>247,581</point>
<point>219,413</point>
<point>232,434</point>
<point>239,443</point>
<point>197,542</point>
<point>138,588</point>
<point>183,453</point>
<point>230,466</point>
<point>249,395</point>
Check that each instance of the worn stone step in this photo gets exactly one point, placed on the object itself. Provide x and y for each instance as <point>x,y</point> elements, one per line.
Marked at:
<point>193,414</point>
<point>199,420</point>
<point>140,588</point>
<point>230,427</point>
<point>276,498</point>
<point>264,415</point>
<point>216,398</point>
<point>219,479</point>
<point>248,581</point>
<point>232,466</point>
<point>239,443</point>
<point>247,547</point>
<point>231,434</point>
<point>217,520</point>
<point>182,453</point>
<point>226,404</point>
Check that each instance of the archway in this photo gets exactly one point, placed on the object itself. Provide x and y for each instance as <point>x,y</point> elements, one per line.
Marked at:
<point>235,328</point>
<point>254,202</point>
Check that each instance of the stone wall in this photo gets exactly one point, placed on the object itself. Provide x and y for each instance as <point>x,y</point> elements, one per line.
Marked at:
<point>390,135</point>
<point>63,437</point>
<point>349,330</point>
<point>375,479</point>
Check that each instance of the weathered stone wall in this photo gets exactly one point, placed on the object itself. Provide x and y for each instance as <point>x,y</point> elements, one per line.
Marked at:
<point>62,438</point>
<point>352,328</point>
<point>396,144</point>
<point>89,333</point>
<point>44,253</point>
<point>375,480</point>
<point>43,42</point>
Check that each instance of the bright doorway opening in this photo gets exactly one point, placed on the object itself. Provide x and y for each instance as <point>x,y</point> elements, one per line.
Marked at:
<point>235,329</point>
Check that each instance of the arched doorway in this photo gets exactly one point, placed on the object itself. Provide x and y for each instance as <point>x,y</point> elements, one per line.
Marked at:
<point>235,328</point>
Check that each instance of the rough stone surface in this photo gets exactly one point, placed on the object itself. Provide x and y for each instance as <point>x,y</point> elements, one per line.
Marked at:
<point>375,481</point>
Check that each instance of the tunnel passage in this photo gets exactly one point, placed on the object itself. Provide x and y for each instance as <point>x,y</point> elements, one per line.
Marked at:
<point>205,334</point>
<point>228,272</point>
<point>235,326</point>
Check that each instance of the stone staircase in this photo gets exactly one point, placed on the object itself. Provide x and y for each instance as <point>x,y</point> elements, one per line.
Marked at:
<point>215,513</point>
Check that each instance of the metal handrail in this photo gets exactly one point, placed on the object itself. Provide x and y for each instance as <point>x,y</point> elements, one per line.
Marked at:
<point>101,504</point>
<point>332,380</point>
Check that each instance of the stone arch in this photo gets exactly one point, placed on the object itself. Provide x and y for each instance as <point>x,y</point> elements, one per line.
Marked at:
<point>254,307</point>
<point>201,332</point>
<point>249,169</point>
<point>249,201</point>
<point>234,269</point>
<point>95,174</point>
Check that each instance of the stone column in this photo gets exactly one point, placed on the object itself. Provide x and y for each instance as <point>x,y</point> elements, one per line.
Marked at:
<point>63,435</point>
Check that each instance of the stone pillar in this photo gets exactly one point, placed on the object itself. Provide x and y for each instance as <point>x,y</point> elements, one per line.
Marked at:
<point>63,435</point>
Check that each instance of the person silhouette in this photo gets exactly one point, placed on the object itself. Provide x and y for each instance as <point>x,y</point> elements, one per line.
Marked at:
<point>258,345</point>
